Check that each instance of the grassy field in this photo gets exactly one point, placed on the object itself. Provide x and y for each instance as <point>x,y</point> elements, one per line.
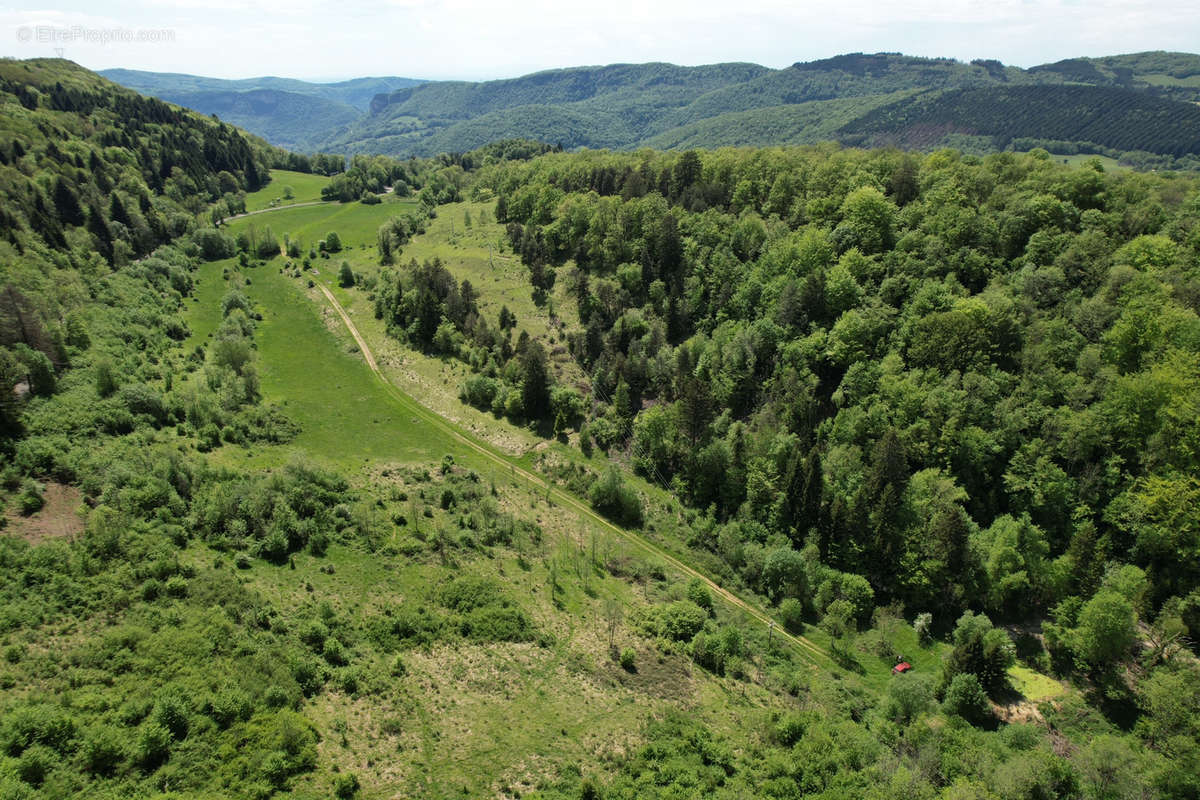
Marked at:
<point>305,189</point>
<point>476,253</point>
<point>575,705</point>
<point>1034,686</point>
<point>1079,159</point>
<point>1161,79</point>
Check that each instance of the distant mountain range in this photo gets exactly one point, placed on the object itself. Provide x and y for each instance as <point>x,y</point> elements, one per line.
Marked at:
<point>290,113</point>
<point>1146,102</point>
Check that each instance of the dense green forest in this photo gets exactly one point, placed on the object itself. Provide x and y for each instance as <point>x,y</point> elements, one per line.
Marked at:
<point>1117,119</point>
<point>939,408</point>
<point>971,380</point>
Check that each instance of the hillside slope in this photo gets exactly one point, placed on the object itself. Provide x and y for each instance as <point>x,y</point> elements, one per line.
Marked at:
<point>288,119</point>
<point>625,106</point>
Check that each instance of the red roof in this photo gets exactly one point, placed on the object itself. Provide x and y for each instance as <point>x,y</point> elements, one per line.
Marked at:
<point>903,666</point>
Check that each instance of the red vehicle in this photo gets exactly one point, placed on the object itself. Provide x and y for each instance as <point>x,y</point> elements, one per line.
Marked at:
<point>903,666</point>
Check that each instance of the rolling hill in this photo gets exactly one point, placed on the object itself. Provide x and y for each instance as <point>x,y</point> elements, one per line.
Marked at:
<point>853,98</point>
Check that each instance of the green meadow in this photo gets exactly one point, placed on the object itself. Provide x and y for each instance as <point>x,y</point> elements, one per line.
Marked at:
<point>305,188</point>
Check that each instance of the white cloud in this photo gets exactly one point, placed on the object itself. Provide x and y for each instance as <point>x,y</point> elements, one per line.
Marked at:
<point>484,38</point>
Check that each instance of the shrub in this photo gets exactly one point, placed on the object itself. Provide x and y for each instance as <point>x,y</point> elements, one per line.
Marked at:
<point>469,593</point>
<point>31,725</point>
<point>707,652</point>
<point>790,729</point>
<point>275,697</point>
<point>214,244</point>
<point>308,674</point>
<point>346,786</point>
<point>697,592</point>
<point>30,499</point>
<point>171,712</point>
<point>35,763</point>
<point>153,746</point>
<point>681,620</point>
<point>102,751</point>
<point>791,613</point>
<point>908,696</point>
<point>346,275</point>
<point>480,391</point>
<point>314,635</point>
<point>923,625</point>
<point>965,698</point>
<point>334,652</point>
<point>229,706</point>
<point>611,497</point>
<point>628,659</point>
<point>106,380</point>
<point>497,623</point>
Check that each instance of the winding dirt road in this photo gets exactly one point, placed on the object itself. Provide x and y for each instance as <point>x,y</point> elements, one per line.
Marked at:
<point>804,646</point>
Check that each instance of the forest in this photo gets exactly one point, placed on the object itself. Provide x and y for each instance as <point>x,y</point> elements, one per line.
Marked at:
<point>972,379</point>
<point>754,425</point>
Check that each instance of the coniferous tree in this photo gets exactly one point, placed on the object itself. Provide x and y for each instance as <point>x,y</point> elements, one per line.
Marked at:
<point>67,204</point>
<point>535,381</point>
<point>880,503</point>
<point>98,227</point>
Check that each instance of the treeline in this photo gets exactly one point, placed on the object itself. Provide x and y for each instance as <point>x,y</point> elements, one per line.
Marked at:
<point>965,379</point>
<point>434,181</point>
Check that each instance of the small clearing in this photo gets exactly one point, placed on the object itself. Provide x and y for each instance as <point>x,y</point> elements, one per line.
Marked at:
<point>59,518</point>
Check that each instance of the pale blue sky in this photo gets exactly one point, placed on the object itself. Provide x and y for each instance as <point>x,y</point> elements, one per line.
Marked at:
<point>481,39</point>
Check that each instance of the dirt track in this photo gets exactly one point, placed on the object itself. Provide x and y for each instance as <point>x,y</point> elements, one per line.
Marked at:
<point>806,647</point>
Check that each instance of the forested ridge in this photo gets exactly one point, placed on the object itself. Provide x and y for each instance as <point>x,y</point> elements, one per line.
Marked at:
<point>625,106</point>
<point>939,408</point>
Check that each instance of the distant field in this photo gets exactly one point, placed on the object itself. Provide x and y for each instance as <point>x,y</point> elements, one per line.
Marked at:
<point>1080,159</point>
<point>305,189</point>
<point>1159,79</point>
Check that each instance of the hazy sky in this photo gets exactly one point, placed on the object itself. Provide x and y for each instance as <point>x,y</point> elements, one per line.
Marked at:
<point>479,39</point>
